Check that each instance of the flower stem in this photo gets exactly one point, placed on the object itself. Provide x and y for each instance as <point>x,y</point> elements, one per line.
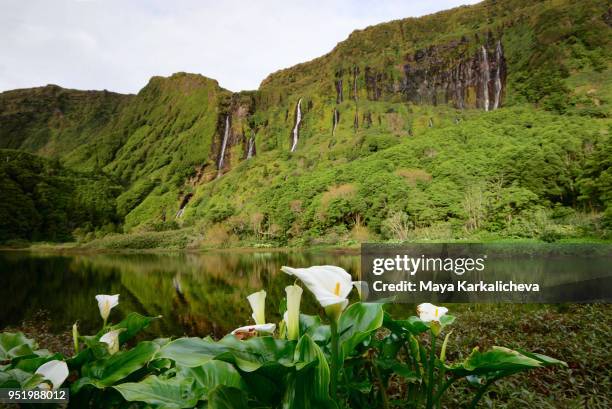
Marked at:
<point>334,359</point>
<point>480,393</point>
<point>432,364</point>
<point>381,385</point>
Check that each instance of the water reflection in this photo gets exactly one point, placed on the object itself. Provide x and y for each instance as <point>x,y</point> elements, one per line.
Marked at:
<point>196,293</point>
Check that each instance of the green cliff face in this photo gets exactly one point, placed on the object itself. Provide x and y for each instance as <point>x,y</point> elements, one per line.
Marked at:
<point>485,120</point>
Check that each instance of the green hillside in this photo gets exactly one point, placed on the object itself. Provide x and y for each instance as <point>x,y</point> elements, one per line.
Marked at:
<point>480,122</point>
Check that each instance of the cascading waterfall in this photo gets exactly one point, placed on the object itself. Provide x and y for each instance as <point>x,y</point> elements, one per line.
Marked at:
<point>335,122</point>
<point>355,83</point>
<point>251,147</point>
<point>224,144</point>
<point>298,119</point>
<point>498,84</point>
<point>485,78</point>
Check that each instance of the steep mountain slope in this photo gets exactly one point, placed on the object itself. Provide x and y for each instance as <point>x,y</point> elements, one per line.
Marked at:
<point>389,135</point>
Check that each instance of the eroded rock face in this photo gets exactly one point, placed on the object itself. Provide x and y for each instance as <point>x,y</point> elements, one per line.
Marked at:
<point>462,73</point>
<point>475,79</point>
<point>232,129</point>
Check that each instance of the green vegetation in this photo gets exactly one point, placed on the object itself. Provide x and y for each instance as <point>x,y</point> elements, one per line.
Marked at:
<point>403,163</point>
<point>41,200</point>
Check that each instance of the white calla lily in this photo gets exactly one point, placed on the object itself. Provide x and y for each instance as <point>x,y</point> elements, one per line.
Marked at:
<point>292,315</point>
<point>429,312</point>
<point>111,338</point>
<point>258,305</point>
<point>267,328</point>
<point>75,337</point>
<point>330,285</point>
<point>55,372</point>
<point>106,303</point>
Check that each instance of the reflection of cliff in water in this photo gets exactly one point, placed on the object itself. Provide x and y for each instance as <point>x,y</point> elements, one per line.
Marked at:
<point>212,297</point>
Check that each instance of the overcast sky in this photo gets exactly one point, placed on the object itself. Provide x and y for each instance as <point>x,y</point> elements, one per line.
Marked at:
<point>119,44</point>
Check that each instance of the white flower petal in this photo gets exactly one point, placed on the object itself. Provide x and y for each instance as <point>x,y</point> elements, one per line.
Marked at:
<point>111,338</point>
<point>329,284</point>
<point>106,303</point>
<point>292,315</point>
<point>268,328</point>
<point>258,305</point>
<point>429,312</point>
<point>54,371</point>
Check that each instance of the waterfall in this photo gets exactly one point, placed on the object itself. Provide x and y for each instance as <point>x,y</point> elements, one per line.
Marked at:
<point>485,78</point>
<point>251,147</point>
<point>335,122</point>
<point>355,83</point>
<point>498,85</point>
<point>224,144</point>
<point>298,119</point>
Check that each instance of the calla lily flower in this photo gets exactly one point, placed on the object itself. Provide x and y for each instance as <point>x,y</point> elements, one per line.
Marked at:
<point>55,372</point>
<point>330,285</point>
<point>75,337</point>
<point>429,312</point>
<point>250,330</point>
<point>292,315</point>
<point>258,304</point>
<point>106,303</point>
<point>111,338</point>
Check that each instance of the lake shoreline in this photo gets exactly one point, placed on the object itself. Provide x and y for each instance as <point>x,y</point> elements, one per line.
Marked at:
<point>506,247</point>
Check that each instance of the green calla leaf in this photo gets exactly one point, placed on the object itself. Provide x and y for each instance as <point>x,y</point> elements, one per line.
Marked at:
<point>32,364</point>
<point>412,325</point>
<point>248,355</point>
<point>166,393</point>
<point>545,360</point>
<point>15,344</point>
<point>308,352</point>
<point>311,325</point>
<point>212,374</point>
<point>132,325</point>
<point>357,323</point>
<point>227,397</point>
<point>106,372</point>
<point>498,361</point>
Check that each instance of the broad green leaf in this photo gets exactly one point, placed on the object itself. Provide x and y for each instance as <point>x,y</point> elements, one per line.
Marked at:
<point>227,397</point>
<point>412,325</point>
<point>17,378</point>
<point>415,325</point>
<point>357,323</point>
<point>32,364</point>
<point>15,344</point>
<point>311,325</point>
<point>306,352</point>
<point>300,394</point>
<point>446,320</point>
<point>212,374</point>
<point>248,355</point>
<point>132,325</point>
<point>106,372</point>
<point>166,393</point>
<point>497,360</point>
<point>545,360</point>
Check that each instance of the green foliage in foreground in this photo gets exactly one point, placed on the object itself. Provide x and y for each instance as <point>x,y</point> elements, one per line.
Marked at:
<point>268,372</point>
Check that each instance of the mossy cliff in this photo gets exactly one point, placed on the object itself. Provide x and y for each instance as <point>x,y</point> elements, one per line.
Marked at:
<point>484,120</point>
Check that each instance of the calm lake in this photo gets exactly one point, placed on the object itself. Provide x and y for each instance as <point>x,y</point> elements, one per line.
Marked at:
<point>196,293</point>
